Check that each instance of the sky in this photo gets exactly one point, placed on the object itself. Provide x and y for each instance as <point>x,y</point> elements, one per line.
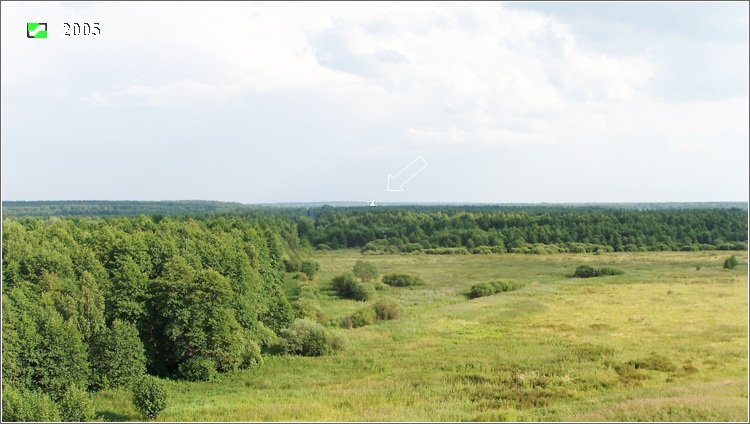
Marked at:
<point>390,102</point>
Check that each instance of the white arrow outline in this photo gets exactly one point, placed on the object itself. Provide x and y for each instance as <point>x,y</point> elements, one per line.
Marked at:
<point>401,186</point>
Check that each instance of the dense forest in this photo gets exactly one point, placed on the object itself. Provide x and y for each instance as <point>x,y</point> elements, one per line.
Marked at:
<point>485,229</point>
<point>95,303</point>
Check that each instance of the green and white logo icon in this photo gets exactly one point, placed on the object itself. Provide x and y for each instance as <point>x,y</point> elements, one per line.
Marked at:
<point>36,30</point>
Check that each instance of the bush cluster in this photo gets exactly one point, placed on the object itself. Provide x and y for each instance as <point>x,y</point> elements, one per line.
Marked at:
<point>307,305</point>
<point>74,405</point>
<point>308,338</point>
<point>730,262</point>
<point>384,309</point>
<point>347,286</point>
<point>492,287</point>
<point>587,271</point>
<point>401,280</point>
<point>149,396</point>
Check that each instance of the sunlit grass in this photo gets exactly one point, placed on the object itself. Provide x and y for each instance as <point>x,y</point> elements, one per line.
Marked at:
<point>560,348</point>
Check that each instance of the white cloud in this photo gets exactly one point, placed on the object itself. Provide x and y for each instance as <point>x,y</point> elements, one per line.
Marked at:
<point>381,79</point>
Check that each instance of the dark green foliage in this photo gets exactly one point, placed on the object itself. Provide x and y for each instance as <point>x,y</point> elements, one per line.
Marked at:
<point>31,406</point>
<point>402,280</point>
<point>492,287</point>
<point>76,406</point>
<point>93,303</point>
<point>343,284</point>
<point>292,265</point>
<point>730,262</point>
<point>60,359</point>
<point>149,396</point>
<point>387,309</point>
<point>197,368</point>
<point>365,271</point>
<point>117,356</point>
<point>587,271</point>
<point>310,267</point>
<point>481,290</point>
<point>525,229</point>
<point>305,338</point>
<point>347,286</point>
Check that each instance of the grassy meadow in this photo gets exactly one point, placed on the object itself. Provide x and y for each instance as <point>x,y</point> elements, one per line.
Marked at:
<point>665,341</point>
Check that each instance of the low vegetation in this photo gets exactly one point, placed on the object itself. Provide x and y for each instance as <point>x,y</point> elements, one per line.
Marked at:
<point>587,271</point>
<point>402,280</point>
<point>493,287</point>
<point>385,309</point>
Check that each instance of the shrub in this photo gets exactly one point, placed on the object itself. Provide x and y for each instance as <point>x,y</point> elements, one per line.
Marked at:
<point>251,356</point>
<point>730,262</point>
<point>305,338</point>
<point>491,287</point>
<point>310,267</point>
<point>387,309</point>
<point>363,292</point>
<point>609,271</point>
<point>149,396</point>
<point>197,368</point>
<point>306,308</point>
<point>77,406</point>
<point>301,276</point>
<point>339,341</point>
<point>33,406</point>
<point>585,271</point>
<point>482,250</point>
<point>481,290</point>
<point>401,280</point>
<point>292,265</point>
<point>343,284</point>
<point>364,316</point>
<point>380,286</point>
<point>365,271</point>
<point>348,287</point>
<point>323,247</point>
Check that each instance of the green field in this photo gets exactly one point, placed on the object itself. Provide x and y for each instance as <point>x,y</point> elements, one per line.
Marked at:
<point>665,341</point>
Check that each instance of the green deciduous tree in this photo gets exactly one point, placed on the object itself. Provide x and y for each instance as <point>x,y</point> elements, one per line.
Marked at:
<point>117,356</point>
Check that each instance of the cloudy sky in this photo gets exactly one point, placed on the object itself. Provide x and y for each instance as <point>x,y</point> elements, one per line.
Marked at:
<point>296,102</point>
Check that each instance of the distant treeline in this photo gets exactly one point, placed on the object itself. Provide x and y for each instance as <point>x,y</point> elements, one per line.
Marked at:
<point>445,229</point>
<point>115,208</point>
<point>479,229</point>
<point>91,208</point>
